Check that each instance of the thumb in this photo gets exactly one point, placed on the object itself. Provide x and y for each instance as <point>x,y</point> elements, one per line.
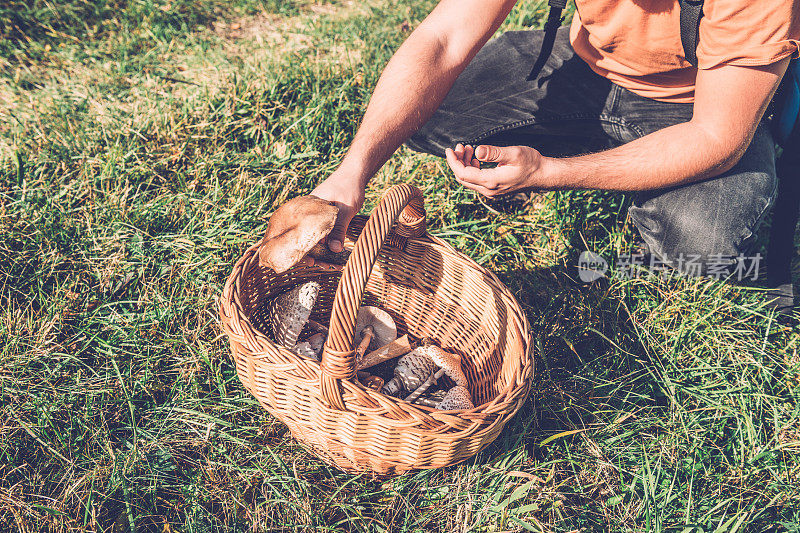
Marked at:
<point>490,154</point>
<point>336,236</point>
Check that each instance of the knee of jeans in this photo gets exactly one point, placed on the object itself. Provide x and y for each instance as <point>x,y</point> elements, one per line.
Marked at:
<point>690,235</point>
<point>426,141</point>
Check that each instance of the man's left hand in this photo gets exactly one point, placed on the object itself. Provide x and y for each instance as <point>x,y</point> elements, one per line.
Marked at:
<point>518,167</point>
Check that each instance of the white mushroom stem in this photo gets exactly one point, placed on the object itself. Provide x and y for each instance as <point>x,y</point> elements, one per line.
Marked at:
<point>431,400</point>
<point>366,337</point>
<point>385,353</point>
<point>432,379</point>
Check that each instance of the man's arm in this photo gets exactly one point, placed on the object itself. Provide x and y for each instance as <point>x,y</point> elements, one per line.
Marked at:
<point>412,86</point>
<point>729,103</point>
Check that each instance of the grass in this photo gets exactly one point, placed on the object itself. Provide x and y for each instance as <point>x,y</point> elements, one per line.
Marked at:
<point>143,145</point>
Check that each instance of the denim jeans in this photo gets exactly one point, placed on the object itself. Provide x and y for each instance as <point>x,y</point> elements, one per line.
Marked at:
<point>570,109</point>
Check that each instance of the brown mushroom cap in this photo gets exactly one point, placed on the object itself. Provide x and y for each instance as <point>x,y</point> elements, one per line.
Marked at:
<point>294,229</point>
<point>382,323</point>
<point>450,363</point>
<point>456,398</point>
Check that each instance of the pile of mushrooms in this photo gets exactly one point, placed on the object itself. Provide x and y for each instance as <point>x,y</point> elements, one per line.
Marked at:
<point>295,235</point>
<point>416,372</point>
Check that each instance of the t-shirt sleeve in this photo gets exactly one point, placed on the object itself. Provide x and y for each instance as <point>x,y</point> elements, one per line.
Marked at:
<point>748,32</point>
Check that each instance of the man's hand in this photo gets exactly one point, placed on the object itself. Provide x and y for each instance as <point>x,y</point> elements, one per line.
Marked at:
<point>518,167</point>
<point>348,195</point>
<point>728,105</point>
<point>411,87</point>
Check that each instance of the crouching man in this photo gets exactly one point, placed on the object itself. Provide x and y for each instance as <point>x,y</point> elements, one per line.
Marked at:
<point>688,143</point>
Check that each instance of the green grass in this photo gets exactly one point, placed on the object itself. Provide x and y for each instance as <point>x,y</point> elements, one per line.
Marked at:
<point>143,145</point>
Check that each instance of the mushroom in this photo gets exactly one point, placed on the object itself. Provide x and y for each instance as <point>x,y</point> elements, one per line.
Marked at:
<point>447,362</point>
<point>411,371</point>
<point>375,324</point>
<point>456,398</point>
<point>311,347</point>
<point>367,334</point>
<point>296,230</point>
<point>450,363</point>
<point>431,399</point>
<point>304,349</point>
<point>289,312</point>
<point>317,341</point>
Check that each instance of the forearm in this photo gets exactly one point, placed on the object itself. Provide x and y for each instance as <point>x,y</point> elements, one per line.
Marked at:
<point>673,156</point>
<point>417,79</point>
<point>412,86</point>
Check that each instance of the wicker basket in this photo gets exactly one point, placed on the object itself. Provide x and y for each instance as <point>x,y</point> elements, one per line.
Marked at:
<point>430,290</point>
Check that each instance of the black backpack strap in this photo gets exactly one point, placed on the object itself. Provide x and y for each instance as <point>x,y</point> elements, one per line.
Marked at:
<point>550,30</point>
<point>691,13</point>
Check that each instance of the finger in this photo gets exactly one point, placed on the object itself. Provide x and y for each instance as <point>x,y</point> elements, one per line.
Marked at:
<point>475,163</point>
<point>468,154</point>
<point>459,150</point>
<point>486,178</point>
<point>336,236</point>
<point>492,154</point>
<point>489,179</point>
<point>455,162</point>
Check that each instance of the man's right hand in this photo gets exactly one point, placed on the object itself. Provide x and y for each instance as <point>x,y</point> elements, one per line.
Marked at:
<point>348,195</point>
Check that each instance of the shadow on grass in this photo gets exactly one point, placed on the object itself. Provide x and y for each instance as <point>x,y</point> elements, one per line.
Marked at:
<point>588,357</point>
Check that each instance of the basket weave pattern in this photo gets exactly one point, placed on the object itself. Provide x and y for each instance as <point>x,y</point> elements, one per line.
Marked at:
<point>430,290</point>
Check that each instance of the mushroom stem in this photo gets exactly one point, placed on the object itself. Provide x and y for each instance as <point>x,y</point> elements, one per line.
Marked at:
<point>385,353</point>
<point>366,337</point>
<point>432,379</point>
<point>430,400</point>
<point>393,386</point>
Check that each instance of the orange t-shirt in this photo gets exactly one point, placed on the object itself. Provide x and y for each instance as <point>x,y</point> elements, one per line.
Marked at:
<point>637,43</point>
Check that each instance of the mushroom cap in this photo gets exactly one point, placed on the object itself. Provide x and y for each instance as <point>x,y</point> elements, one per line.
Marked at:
<point>456,398</point>
<point>381,321</point>
<point>411,371</point>
<point>451,363</point>
<point>317,341</point>
<point>289,312</point>
<point>304,349</point>
<point>311,347</point>
<point>294,229</point>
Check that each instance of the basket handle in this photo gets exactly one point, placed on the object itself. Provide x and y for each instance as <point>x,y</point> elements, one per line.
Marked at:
<point>403,202</point>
